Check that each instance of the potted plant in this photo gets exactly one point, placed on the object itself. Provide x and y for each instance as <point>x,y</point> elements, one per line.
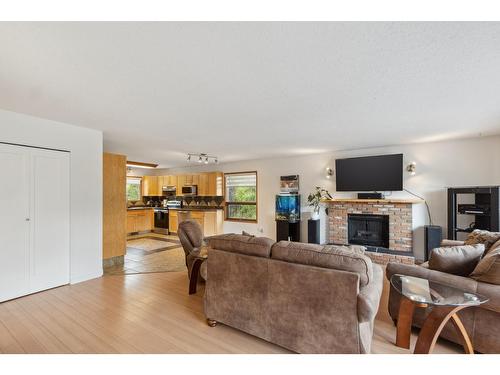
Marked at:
<point>314,200</point>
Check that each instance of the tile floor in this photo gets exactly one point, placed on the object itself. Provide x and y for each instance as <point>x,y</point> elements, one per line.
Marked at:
<point>150,252</point>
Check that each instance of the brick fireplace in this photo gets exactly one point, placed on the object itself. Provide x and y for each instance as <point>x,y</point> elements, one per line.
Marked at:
<point>398,213</point>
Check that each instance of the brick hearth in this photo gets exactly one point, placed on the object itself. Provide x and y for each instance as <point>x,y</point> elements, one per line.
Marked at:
<point>400,220</point>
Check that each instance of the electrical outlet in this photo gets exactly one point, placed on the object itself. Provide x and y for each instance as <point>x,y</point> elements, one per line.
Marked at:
<point>260,229</point>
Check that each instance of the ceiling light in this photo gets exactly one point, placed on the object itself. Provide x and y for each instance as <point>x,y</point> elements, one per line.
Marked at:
<point>202,158</point>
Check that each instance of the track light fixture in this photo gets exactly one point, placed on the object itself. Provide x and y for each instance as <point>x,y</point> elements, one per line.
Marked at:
<point>202,158</point>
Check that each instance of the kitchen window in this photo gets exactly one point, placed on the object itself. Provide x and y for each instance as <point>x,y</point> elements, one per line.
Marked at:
<point>134,188</point>
<point>241,196</point>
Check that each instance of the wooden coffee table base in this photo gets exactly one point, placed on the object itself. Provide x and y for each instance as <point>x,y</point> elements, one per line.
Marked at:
<point>431,328</point>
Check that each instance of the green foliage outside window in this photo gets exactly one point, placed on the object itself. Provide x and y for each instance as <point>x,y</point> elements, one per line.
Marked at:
<point>134,190</point>
<point>241,196</point>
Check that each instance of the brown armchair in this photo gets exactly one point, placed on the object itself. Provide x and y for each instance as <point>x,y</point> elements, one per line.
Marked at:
<point>191,237</point>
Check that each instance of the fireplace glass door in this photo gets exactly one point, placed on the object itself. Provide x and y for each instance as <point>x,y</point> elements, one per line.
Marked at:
<point>368,230</point>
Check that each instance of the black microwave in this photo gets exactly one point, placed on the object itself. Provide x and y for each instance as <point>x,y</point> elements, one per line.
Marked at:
<point>190,190</point>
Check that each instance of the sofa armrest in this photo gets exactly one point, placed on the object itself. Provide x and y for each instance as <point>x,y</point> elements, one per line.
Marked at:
<point>449,243</point>
<point>461,282</point>
<point>369,296</point>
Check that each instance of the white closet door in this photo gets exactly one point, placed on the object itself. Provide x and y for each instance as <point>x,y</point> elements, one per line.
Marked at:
<point>49,208</point>
<point>14,227</point>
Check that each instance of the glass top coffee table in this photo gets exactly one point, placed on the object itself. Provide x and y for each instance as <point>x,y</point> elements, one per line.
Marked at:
<point>445,301</point>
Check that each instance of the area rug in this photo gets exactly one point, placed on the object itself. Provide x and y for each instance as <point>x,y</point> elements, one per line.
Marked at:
<point>151,254</point>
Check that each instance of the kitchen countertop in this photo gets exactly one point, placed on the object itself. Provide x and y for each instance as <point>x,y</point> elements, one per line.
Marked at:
<point>139,208</point>
<point>196,208</point>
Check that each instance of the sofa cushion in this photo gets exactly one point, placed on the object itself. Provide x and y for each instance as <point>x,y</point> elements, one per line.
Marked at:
<point>488,268</point>
<point>457,260</point>
<point>482,236</point>
<point>492,292</point>
<point>336,257</point>
<point>238,243</point>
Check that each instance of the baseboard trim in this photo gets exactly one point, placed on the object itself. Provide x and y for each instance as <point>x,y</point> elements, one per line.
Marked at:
<point>113,261</point>
<point>82,278</point>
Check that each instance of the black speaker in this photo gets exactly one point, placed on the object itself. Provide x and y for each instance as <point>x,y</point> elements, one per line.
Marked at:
<point>313,231</point>
<point>433,237</point>
<point>370,196</point>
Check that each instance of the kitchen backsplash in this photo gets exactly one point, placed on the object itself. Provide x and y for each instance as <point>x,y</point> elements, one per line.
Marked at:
<point>187,200</point>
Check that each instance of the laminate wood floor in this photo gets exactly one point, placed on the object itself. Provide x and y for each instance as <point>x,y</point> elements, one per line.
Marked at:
<point>143,313</point>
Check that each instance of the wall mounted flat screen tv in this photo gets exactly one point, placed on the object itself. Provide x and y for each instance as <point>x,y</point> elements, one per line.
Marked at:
<point>370,173</point>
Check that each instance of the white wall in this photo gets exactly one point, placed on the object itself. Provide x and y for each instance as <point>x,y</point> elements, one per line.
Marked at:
<point>85,146</point>
<point>463,162</point>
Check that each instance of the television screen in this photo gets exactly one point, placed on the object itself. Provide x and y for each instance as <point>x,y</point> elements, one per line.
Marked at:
<point>370,173</point>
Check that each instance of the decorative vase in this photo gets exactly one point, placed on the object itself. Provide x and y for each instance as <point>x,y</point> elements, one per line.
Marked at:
<point>314,215</point>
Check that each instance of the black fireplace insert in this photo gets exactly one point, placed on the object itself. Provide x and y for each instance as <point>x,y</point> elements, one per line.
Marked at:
<point>368,230</point>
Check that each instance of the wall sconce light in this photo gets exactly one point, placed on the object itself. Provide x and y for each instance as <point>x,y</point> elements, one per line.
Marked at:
<point>412,168</point>
<point>329,172</point>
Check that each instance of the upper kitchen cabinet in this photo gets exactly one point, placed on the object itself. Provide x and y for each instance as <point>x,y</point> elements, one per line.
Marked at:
<point>163,181</point>
<point>203,184</point>
<point>181,181</point>
<point>208,183</point>
<point>170,180</point>
<point>195,180</point>
<point>215,183</point>
<point>150,186</point>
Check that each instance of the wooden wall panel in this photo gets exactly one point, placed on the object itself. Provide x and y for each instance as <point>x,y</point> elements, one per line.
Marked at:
<point>114,205</point>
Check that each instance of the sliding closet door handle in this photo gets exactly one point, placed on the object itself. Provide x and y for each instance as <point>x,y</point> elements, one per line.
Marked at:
<point>27,219</point>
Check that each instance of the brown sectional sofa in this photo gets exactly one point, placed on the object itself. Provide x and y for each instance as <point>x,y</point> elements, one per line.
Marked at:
<point>303,297</point>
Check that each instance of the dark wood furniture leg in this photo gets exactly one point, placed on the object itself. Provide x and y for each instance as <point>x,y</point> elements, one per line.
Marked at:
<point>211,322</point>
<point>195,271</point>
<point>435,323</point>
<point>405,318</point>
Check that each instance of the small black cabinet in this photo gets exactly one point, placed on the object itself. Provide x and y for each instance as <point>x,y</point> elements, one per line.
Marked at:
<point>484,211</point>
<point>287,231</point>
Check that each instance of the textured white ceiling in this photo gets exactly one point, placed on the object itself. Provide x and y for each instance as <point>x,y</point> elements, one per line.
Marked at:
<point>251,90</point>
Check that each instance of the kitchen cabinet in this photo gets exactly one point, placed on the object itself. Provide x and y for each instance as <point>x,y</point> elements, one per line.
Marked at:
<point>210,221</point>
<point>203,184</point>
<point>162,181</point>
<point>172,221</point>
<point>210,183</point>
<point>140,220</point>
<point>171,180</point>
<point>195,179</point>
<point>215,183</point>
<point>150,186</point>
<point>181,181</point>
